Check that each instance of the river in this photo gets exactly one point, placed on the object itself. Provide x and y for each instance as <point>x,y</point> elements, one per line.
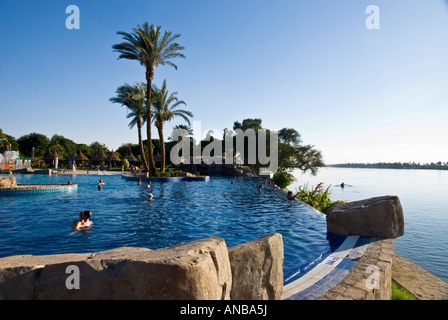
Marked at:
<point>423,195</point>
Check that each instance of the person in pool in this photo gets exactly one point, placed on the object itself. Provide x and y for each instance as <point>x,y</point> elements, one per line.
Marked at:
<point>84,221</point>
<point>291,196</point>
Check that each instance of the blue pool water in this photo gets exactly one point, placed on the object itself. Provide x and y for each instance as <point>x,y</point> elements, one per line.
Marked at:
<point>179,212</point>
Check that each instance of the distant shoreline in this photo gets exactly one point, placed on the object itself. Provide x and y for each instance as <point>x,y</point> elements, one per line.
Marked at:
<point>393,165</point>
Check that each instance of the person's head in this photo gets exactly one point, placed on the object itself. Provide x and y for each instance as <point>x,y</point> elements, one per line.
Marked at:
<point>85,215</point>
<point>289,195</point>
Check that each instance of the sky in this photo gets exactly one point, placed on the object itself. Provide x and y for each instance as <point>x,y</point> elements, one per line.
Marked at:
<point>356,94</point>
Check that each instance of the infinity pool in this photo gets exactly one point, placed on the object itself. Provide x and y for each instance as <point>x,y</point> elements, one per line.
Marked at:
<point>179,212</point>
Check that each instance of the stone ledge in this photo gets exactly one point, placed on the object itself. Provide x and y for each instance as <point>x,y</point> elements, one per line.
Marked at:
<point>421,283</point>
<point>354,285</point>
<point>198,270</point>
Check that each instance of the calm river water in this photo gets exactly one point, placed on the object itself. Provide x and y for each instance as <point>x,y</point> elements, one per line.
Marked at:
<point>423,195</point>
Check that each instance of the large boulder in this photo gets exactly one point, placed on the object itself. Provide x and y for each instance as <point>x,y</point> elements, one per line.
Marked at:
<point>200,270</point>
<point>195,270</point>
<point>257,269</point>
<point>374,217</point>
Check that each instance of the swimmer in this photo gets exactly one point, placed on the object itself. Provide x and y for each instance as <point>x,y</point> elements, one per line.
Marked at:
<point>140,182</point>
<point>149,185</point>
<point>290,196</point>
<point>100,184</point>
<point>84,220</point>
<point>260,188</point>
<point>150,197</point>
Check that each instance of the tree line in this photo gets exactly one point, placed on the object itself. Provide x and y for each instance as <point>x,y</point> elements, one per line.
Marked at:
<point>395,165</point>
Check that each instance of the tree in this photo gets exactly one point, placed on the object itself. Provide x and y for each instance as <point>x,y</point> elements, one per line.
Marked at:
<point>133,97</point>
<point>38,141</point>
<point>97,147</point>
<point>165,109</point>
<point>146,45</point>
<point>65,147</point>
<point>248,124</point>
<point>293,155</point>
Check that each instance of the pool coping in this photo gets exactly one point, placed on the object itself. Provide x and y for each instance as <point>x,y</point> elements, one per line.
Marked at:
<point>349,276</point>
<point>329,272</point>
<point>20,189</point>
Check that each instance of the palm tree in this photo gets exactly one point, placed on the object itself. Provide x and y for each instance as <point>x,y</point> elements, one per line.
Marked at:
<point>146,45</point>
<point>133,97</point>
<point>164,107</point>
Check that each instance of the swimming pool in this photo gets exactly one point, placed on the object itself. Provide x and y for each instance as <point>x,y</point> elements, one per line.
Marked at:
<point>180,212</point>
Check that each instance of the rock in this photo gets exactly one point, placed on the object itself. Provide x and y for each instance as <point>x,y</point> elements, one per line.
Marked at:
<point>374,217</point>
<point>257,269</point>
<point>204,269</point>
<point>8,182</point>
<point>195,270</point>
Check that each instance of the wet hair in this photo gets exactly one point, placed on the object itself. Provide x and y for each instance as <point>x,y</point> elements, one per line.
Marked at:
<point>87,213</point>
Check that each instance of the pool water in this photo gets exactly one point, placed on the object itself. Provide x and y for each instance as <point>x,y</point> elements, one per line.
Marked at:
<point>180,212</point>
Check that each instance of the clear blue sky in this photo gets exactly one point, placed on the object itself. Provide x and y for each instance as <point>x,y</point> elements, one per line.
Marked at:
<point>358,95</point>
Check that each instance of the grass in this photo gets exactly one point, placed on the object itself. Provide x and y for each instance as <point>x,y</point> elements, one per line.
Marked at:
<point>400,293</point>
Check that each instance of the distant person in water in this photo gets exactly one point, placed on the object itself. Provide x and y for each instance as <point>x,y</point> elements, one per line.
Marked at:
<point>140,182</point>
<point>342,185</point>
<point>291,196</point>
<point>260,188</point>
<point>100,184</point>
<point>149,185</point>
<point>150,197</point>
<point>84,220</point>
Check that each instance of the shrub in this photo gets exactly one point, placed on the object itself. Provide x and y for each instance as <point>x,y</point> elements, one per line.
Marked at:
<point>125,164</point>
<point>317,197</point>
<point>283,178</point>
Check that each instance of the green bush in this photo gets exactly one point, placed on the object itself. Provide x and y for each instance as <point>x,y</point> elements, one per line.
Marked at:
<point>125,164</point>
<point>283,178</point>
<point>318,198</point>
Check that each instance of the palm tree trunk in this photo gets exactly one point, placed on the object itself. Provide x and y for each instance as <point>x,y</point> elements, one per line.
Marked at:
<point>149,77</point>
<point>162,145</point>
<point>140,143</point>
